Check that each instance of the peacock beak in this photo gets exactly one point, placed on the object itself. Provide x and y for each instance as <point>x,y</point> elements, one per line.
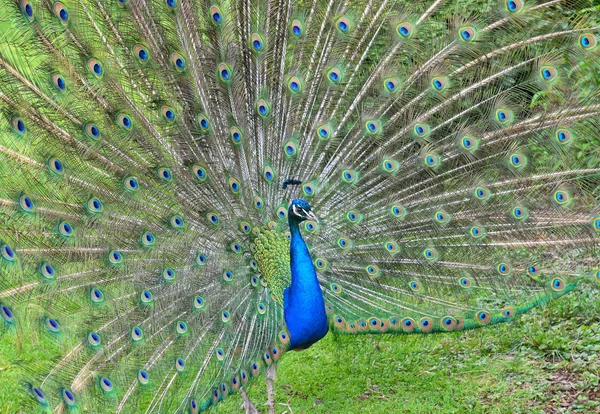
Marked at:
<point>311,216</point>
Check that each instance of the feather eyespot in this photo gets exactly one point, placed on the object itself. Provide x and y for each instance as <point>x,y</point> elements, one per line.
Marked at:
<point>373,271</point>
<point>519,213</point>
<point>391,85</point>
<point>164,174</point>
<point>477,232</point>
<point>259,203</point>
<point>179,364</point>
<point>482,193</point>
<point>92,131</point>
<point>39,396</point>
<point>27,10</point>
<point>563,136</point>
<point>124,121</point>
<point>106,384</point>
<point>227,276</point>
<point>148,239</point>
<point>199,173</point>
<point>137,334</point>
<point>200,259</point>
<point>548,73</point>
<point>171,4</point>
<point>263,108</point>
<point>391,247</point>
<point>225,317</point>
<point>441,217</point>
<point>503,116</point>
<point>8,253</point>
<point>421,130</point>
<point>61,12</point>
<point>343,24</point>
<point>295,85</point>
<point>415,286</point>
<point>236,136</point>
<point>114,257</point>
<point>335,288</point>
<point>216,15</point>
<point>26,203</point>
<point>439,83</point>
<point>59,82</point>
<point>140,53</point>
<point>448,323</point>
<point>432,160</point>
<point>373,127</point>
<point>321,263</point>
<point>430,254</point>
<point>65,229</point>
<point>353,217</point>
<point>514,6</point>
<point>324,132</point>
<point>596,223</point>
<point>339,321</point>
<point>467,34</point>
<point>349,176</point>
<point>94,205</point>
<point>268,174</point>
<point>47,271</point>
<point>234,186</point>
<point>68,396</point>
<point>213,218</point>
<point>588,41</point>
<point>533,270</point>
<point>405,30</point>
<point>168,274</point>
<point>131,183</point>
<point>464,282</point>
<point>95,68</point>
<point>503,269</point>
<point>18,126</point>
<point>469,143</point>
<point>7,314</point>
<point>408,324</point>
<point>96,295</point>
<point>334,75</point>
<point>181,327</point>
<point>483,317</point>
<point>178,61</point>
<point>297,28</point>
<point>390,166</point>
<point>561,197</point>
<point>143,377</point>
<point>198,302</point>
<point>257,42</point>
<point>52,325</point>
<point>517,161</point>
<point>290,149</point>
<point>56,166</point>
<point>398,211</point>
<point>168,114</point>
<point>225,72</point>
<point>146,297</point>
<point>508,313</point>
<point>558,284</point>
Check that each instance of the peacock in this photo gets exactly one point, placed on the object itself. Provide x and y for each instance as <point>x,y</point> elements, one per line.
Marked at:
<point>189,189</point>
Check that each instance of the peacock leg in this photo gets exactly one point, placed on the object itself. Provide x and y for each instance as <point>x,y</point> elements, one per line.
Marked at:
<point>271,376</point>
<point>248,406</point>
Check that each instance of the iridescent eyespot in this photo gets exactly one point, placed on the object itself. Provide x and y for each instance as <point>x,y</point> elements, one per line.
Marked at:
<point>19,126</point>
<point>176,222</point>
<point>290,149</point>
<point>269,174</point>
<point>548,73</point>
<point>59,82</point>
<point>94,206</point>
<point>96,295</point>
<point>168,274</point>
<point>517,161</point>
<point>39,396</point>
<point>225,316</point>
<point>482,193</point>
<point>503,269</point>
<point>148,239</point>
<point>213,218</point>
<point>373,270</point>
<point>227,276</point>
<point>426,324</point>
<point>439,83</point>
<point>415,286</point>
<point>27,9</point>
<point>259,204</point>
<point>430,254</point>
<point>519,213</point>
<point>92,131</point>
<point>334,75</point>
<point>47,271</point>
<point>95,68</point>
<point>349,176</point>
<point>216,15</point>
<point>503,116</point>
<point>320,263</point>
<point>308,189</point>
<point>343,243</point>
<point>137,334</point>
<point>561,197</point>
<point>353,217</point>
<point>171,3</point>
<point>477,232</point>
<point>106,384</point>
<point>324,132</point>
<point>467,34</point>
<point>391,84</point>
<point>448,323</point>
<point>596,223</point>
<point>143,377</point>
<point>464,282</point>
<point>200,259</point>
<point>199,173</point>
<point>65,229</point>
<point>533,270</point>
<point>508,312</point>
<point>168,113</point>
<point>257,42</point>
<point>373,127</point>
<point>432,160</point>
<point>236,135</point>
<point>391,247</point>
<point>390,166</point>
<point>164,174</point>
<point>514,6</point>
<point>335,288</point>
<point>124,121</point>
<point>587,41</point>
<point>297,28</point>
<point>61,12</point>
<point>224,72</point>
<point>339,321</point>
<point>263,108</point>
<point>405,30</point>
<point>181,327</point>
<point>469,143</point>
<point>56,166</point>
<point>178,62</point>
<point>234,186</point>
<point>441,217</point>
<point>483,317</point>
<point>179,365</point>
<point>7,253</point>
<point>52,325</point>
<point>131,183</point>
<point>421,130</point>
<point>198,302</point>
<point>203,123</point>
<point>146,297</point>
<point>26,203</point>
<point>343,24</point>
<point>140,53</point>
<point>398,211</point>
<point>68,397</point>
<point>295,84</point>
<point>563,136</point>
<point>310,226</point>
<point>114,257</point>
<point>7,314</point>
<point>408,324</point>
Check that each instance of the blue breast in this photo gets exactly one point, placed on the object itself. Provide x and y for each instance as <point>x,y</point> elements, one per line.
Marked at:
<point>304,308</point>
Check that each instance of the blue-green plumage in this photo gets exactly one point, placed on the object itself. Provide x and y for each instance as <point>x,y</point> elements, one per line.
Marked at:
<point>303,305</point>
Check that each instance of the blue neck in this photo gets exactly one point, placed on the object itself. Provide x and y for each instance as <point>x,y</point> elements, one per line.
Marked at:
<point>304,308</point>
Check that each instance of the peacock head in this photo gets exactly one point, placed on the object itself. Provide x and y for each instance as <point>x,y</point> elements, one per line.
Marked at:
<point>299,210</point>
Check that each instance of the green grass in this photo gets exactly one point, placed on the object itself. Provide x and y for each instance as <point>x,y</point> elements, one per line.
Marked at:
<point>544,362</point>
